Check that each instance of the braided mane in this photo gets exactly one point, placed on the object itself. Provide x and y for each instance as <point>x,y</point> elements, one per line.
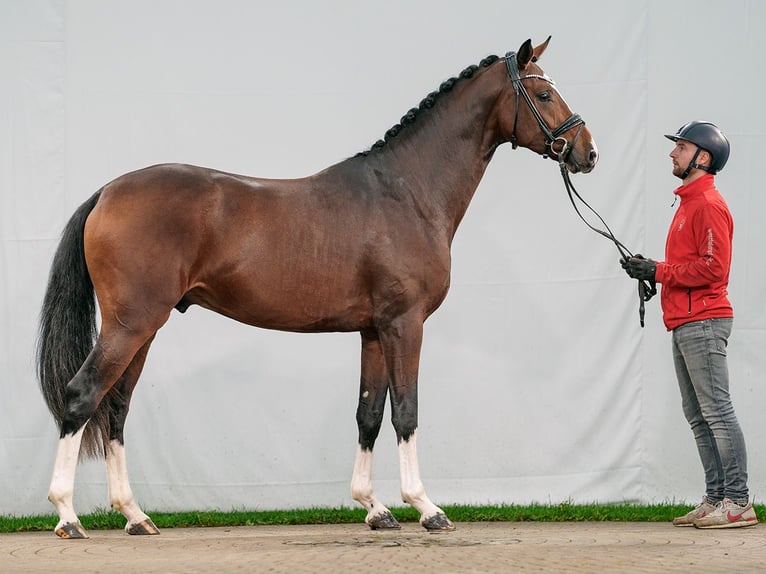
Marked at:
<point>427,103</point>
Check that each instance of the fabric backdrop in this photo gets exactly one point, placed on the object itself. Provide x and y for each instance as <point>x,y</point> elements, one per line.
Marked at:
<point>537,384</point>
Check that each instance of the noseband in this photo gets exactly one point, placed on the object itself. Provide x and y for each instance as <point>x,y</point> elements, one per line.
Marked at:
<point>552,137</point>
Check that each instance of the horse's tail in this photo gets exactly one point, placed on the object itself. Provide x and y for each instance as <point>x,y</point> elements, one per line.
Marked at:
<point>68,323</point>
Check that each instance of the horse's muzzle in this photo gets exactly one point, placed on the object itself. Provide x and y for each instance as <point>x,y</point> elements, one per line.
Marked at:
<point>583,160</point>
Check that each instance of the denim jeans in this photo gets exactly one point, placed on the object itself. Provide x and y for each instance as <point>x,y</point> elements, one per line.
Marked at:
<point>699,354</point>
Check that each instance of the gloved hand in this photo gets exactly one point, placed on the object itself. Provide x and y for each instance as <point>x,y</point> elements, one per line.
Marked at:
<point>637,267</point>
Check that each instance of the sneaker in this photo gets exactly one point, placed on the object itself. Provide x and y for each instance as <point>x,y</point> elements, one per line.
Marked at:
<point>728,514</point>
<point>703,509</point>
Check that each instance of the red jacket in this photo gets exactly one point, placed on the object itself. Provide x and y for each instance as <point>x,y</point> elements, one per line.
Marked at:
<point>695,273</point>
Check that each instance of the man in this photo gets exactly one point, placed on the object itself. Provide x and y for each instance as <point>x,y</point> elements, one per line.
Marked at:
<point>696,308</point>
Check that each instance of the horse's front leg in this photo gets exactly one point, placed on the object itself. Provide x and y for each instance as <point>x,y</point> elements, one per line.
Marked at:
<point>402,344</point>
<point>369,415</point>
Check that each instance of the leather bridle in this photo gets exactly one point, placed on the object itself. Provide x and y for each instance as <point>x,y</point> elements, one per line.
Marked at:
<point>646,289</point>
<point>552,136</point>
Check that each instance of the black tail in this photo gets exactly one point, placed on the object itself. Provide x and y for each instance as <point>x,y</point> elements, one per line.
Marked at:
<point>68,324</point>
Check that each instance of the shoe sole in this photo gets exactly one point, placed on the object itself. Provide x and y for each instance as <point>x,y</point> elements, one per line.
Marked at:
<point>738,524</point>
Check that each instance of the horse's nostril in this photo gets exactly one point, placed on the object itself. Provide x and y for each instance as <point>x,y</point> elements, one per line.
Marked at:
<point>593,156</point>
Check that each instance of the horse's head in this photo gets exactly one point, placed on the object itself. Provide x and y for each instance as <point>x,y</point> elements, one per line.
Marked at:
<point>540,119</point>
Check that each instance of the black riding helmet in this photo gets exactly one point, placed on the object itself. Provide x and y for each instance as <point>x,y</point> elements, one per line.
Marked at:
<point>707,136</point>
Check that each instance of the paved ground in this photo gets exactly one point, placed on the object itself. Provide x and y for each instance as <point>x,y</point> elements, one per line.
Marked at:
<point>474,547</point>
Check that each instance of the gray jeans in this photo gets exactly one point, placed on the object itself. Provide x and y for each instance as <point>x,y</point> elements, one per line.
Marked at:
<point>699,354</point>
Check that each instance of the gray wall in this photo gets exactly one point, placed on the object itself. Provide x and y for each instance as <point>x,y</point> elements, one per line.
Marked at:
<point>537,383</point>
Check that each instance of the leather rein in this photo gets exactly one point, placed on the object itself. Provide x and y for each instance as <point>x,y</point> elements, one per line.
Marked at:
<point>646,289</point>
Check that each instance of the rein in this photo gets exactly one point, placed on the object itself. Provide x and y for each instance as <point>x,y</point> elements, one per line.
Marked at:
<point>646,289</point>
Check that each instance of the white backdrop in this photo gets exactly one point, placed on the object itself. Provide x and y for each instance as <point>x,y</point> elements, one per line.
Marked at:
<point>537,384</point>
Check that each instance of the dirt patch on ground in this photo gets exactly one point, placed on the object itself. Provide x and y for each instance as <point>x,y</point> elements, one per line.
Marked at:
<point>474,547</point>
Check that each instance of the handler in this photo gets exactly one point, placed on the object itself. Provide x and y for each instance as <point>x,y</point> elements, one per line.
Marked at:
<point>696,308</point>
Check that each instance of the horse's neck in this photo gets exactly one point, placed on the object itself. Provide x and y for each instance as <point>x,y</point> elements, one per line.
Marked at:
<point>446,152</point>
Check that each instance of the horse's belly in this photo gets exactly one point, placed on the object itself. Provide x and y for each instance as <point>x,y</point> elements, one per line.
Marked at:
<point>300,308</point>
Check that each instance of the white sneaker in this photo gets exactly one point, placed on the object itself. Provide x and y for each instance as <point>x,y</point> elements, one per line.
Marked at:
<point>728,514</point>
<point>703,509</point>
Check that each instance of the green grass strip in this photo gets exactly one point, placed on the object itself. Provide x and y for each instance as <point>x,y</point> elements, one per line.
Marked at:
<point>110,520</point>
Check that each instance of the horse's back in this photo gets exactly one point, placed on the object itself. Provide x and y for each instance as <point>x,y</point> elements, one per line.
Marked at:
<point>272,253</point>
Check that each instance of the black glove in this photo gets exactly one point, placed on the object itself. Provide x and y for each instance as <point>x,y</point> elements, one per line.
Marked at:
<point>639,268</point>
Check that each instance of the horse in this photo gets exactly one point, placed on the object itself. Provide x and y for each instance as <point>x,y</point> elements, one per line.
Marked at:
<point>361,246</point>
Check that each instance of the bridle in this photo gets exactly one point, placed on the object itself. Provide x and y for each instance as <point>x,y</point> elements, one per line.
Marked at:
<point>646,289</point>
<point>552,137</point>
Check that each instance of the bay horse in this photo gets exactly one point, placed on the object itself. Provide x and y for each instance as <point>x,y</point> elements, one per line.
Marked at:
<point>363,245</point>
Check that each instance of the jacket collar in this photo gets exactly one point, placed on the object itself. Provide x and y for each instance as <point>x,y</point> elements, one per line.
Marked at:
<point>696,187</point>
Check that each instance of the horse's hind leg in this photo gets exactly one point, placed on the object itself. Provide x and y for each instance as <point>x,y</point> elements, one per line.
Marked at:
<point>369,415</point>
<point>61,491</point>
<point>105,364</point>
<point>120,493</point>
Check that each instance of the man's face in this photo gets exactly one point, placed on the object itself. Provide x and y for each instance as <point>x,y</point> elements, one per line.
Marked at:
<point>681,155</point>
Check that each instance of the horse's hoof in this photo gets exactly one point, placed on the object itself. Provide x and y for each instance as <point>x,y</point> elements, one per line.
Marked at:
<point>71,531</point>
<point>145,527</point>
<point>438,523</point>
<point>385,521</point>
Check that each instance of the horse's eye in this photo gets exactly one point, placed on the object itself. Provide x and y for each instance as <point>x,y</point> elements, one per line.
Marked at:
<point>544,96</point>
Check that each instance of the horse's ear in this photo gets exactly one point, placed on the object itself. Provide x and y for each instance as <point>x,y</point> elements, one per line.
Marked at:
<point>524,55</point>
<point>538,51</point>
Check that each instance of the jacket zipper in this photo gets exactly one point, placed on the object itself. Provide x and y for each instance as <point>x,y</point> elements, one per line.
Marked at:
<point>689,294</point>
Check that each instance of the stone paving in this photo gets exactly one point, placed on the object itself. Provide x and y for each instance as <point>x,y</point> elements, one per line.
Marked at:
<point>612,547</point>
